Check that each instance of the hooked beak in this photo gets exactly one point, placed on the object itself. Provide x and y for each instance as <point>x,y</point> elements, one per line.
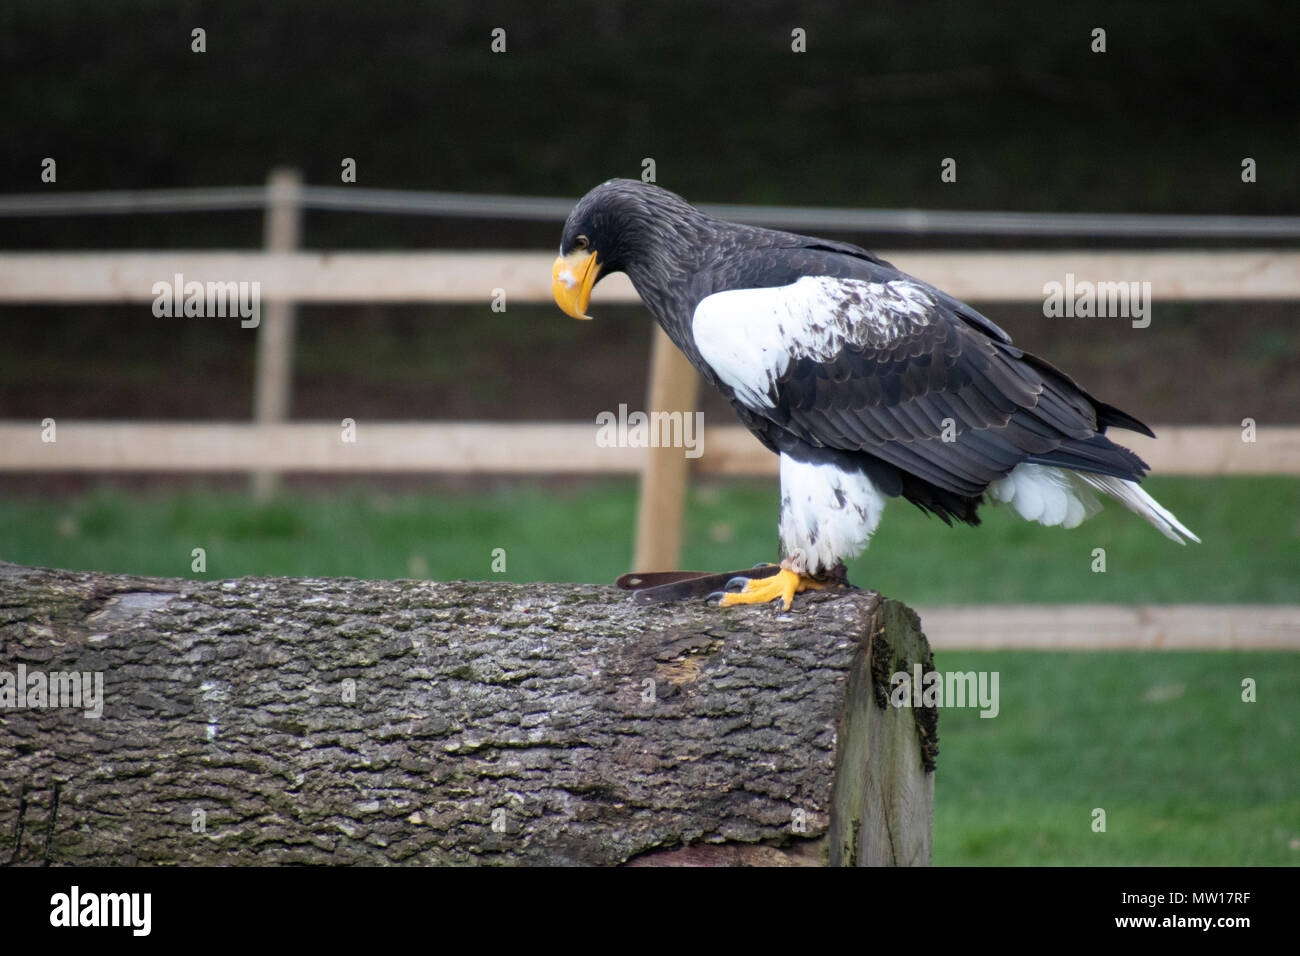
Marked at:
<point>572,278</point>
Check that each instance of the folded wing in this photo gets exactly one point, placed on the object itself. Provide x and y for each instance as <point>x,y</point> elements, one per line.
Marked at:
<point>876,361</point>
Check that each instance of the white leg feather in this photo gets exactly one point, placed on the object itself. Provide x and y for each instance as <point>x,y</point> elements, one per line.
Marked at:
<point>827,515</point>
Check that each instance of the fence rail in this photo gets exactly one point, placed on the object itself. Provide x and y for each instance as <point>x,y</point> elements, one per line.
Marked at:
<point>508,448</point>
<point>358,199</point>
<point>341,277</point>
<point>1102,627</point>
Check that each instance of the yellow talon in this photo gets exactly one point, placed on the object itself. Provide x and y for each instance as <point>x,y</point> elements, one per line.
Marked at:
<point>785,584</point>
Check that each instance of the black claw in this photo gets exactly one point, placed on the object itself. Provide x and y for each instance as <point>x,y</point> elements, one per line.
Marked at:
<point>663,586</point>
<point>737,583</point>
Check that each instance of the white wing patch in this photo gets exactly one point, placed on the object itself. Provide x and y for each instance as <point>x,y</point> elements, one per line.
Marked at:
<point>750,336</point>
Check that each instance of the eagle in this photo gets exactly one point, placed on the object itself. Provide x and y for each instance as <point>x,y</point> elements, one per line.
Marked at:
<point>869,383</point>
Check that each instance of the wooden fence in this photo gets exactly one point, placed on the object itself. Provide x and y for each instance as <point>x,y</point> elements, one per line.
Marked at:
<point>272,444</point>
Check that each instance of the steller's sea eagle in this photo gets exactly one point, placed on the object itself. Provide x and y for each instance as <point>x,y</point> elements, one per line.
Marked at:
<point>869,383</point>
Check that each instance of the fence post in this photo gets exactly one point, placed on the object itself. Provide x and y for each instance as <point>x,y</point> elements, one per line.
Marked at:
<point>661,507</point>
<point>274,369</point>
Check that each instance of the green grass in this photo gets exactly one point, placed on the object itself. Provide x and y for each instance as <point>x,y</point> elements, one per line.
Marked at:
<point>1250,528</point>
<point>1186,772</point>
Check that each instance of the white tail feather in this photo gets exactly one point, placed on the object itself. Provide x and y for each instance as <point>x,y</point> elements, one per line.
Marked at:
<point>1131,495</point>
<point>1060,497</point>
<point>1050,496</point>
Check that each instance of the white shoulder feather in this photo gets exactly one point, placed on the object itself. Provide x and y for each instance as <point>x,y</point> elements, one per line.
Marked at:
<point>750,336</point>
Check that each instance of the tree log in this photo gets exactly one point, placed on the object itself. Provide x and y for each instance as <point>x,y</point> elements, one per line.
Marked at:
<point>341,721</point>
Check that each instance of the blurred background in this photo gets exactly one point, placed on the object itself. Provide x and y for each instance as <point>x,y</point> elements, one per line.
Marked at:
<point>712,92</point>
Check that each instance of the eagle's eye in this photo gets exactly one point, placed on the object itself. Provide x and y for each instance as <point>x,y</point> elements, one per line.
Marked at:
<point>581,242</point>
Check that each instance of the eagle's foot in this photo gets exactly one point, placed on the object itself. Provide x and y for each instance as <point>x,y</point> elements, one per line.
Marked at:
<point>785,584</point>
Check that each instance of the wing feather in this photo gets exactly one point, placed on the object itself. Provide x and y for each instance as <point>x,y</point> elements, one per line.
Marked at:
<point>878,362</point>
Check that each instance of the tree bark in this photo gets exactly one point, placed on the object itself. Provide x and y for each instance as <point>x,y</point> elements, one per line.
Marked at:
<point>306,720</point>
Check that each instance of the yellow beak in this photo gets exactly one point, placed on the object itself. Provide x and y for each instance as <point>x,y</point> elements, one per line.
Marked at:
<point>572,277</point>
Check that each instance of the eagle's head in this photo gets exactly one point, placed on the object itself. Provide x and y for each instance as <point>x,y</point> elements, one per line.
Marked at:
<point>623,225</point>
